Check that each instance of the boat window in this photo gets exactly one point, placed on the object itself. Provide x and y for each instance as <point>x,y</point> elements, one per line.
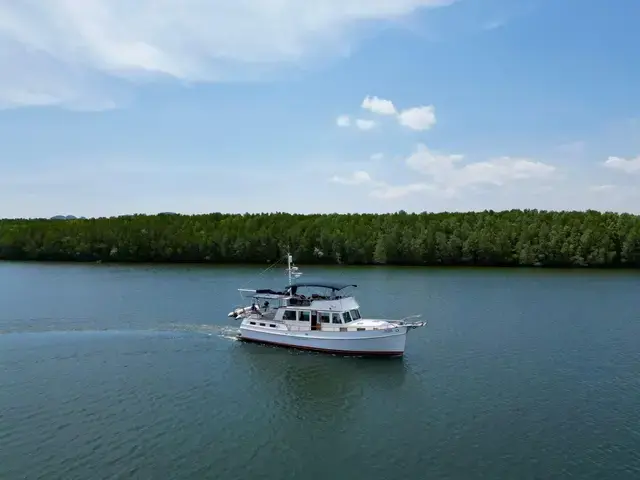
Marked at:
<point>335,318</point>
<point>303,316</point>
<point>325,318</point>
<point>347,317</point>
<point>355,314</point>
<point>289,315</point>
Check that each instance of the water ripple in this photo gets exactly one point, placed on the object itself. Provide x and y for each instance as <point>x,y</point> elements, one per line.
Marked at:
<point>513,379</point>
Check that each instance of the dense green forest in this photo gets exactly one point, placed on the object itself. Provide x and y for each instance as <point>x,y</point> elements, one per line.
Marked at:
<point>509,238</point>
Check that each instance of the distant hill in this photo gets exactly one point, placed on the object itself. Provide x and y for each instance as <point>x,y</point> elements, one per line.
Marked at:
<point>73,217</point>
<point>66,217</point>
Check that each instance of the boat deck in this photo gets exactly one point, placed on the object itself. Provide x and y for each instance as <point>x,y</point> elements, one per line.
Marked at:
<point>293,326</point>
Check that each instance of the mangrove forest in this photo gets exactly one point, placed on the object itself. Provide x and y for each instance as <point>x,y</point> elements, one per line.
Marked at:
<point>507,238</point>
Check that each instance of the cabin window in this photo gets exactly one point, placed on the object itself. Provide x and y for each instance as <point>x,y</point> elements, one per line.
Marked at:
<point>355,314</point>
<point>325,318</point>
<point>347,317</point>
<point>289,315</point>
<point>335,318</point>
<point>303,316</point>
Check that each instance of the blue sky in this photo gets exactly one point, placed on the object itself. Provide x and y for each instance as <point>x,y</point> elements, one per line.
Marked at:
<point>111,107</point>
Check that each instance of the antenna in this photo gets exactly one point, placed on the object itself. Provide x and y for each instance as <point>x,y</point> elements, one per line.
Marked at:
<point>289,260</point>
<point>292,270</point>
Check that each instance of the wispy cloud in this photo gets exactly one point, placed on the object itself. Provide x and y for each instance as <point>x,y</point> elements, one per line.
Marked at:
<point>631,165</point>
<point>602,188</point>
<point>445,174</point>
<point>359,177</point>
<point>55,52</point>
<point>363,124</point>
<point>343,121</point>
<point>494,24</point>
<point>378,188</point>
<point>398,191</point>
<point>572,148</point>
<point>505,13</point>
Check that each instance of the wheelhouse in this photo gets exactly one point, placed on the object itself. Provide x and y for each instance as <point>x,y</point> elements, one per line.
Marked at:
<point>296,306</point>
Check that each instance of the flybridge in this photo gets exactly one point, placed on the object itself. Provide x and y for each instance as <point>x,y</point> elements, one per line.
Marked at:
<point>292,290</point>
<point>330,285</point>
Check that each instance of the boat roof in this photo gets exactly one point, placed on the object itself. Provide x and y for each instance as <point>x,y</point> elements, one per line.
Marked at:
<point>291,289</point>
<point>322,284</point>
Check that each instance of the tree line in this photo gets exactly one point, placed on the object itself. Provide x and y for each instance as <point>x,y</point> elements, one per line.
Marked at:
<point>507,238</point>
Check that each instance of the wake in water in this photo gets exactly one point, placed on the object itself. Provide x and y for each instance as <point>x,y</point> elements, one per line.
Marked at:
<point>87,325</point>
<point>224,331</point>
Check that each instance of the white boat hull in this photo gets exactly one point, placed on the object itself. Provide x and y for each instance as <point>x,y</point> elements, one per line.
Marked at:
<point>369,342</point>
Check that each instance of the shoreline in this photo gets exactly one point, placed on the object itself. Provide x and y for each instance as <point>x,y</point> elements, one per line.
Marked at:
<point>387,266</point>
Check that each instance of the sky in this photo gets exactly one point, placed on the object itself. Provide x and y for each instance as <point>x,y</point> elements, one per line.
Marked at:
<point>112,107</point>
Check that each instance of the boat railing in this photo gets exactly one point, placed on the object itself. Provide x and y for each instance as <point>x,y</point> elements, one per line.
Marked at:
<point>298,328</point>
<point>354,328</point>
<point>335,328</point>
<point>406,321</point>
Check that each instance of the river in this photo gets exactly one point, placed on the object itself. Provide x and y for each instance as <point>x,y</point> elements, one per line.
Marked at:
<point>117,371</point>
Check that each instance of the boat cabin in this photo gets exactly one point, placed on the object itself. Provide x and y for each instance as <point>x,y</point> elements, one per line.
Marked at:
<point>329,310</point>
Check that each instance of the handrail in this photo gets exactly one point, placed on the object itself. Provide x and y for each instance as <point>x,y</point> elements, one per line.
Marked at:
<point>404,319</point>
<point>337,328</point>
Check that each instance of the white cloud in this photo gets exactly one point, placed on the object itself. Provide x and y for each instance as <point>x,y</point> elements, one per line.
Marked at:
<point>494,24</point>
<point>379,106</point>
<point>503,170</point>
<point>398,191</point>
<point>380,189</point>
<point>602,188</point>
<point>427,162</point>
<point>359,177</point>
<point>365,124</point>
<point>418,118</point>
<point>628,166</point>
<point>499,171</point>
<point>447,177</point>
<point>53,52</point>
<point>343,121</point>
<point>377,156</point>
